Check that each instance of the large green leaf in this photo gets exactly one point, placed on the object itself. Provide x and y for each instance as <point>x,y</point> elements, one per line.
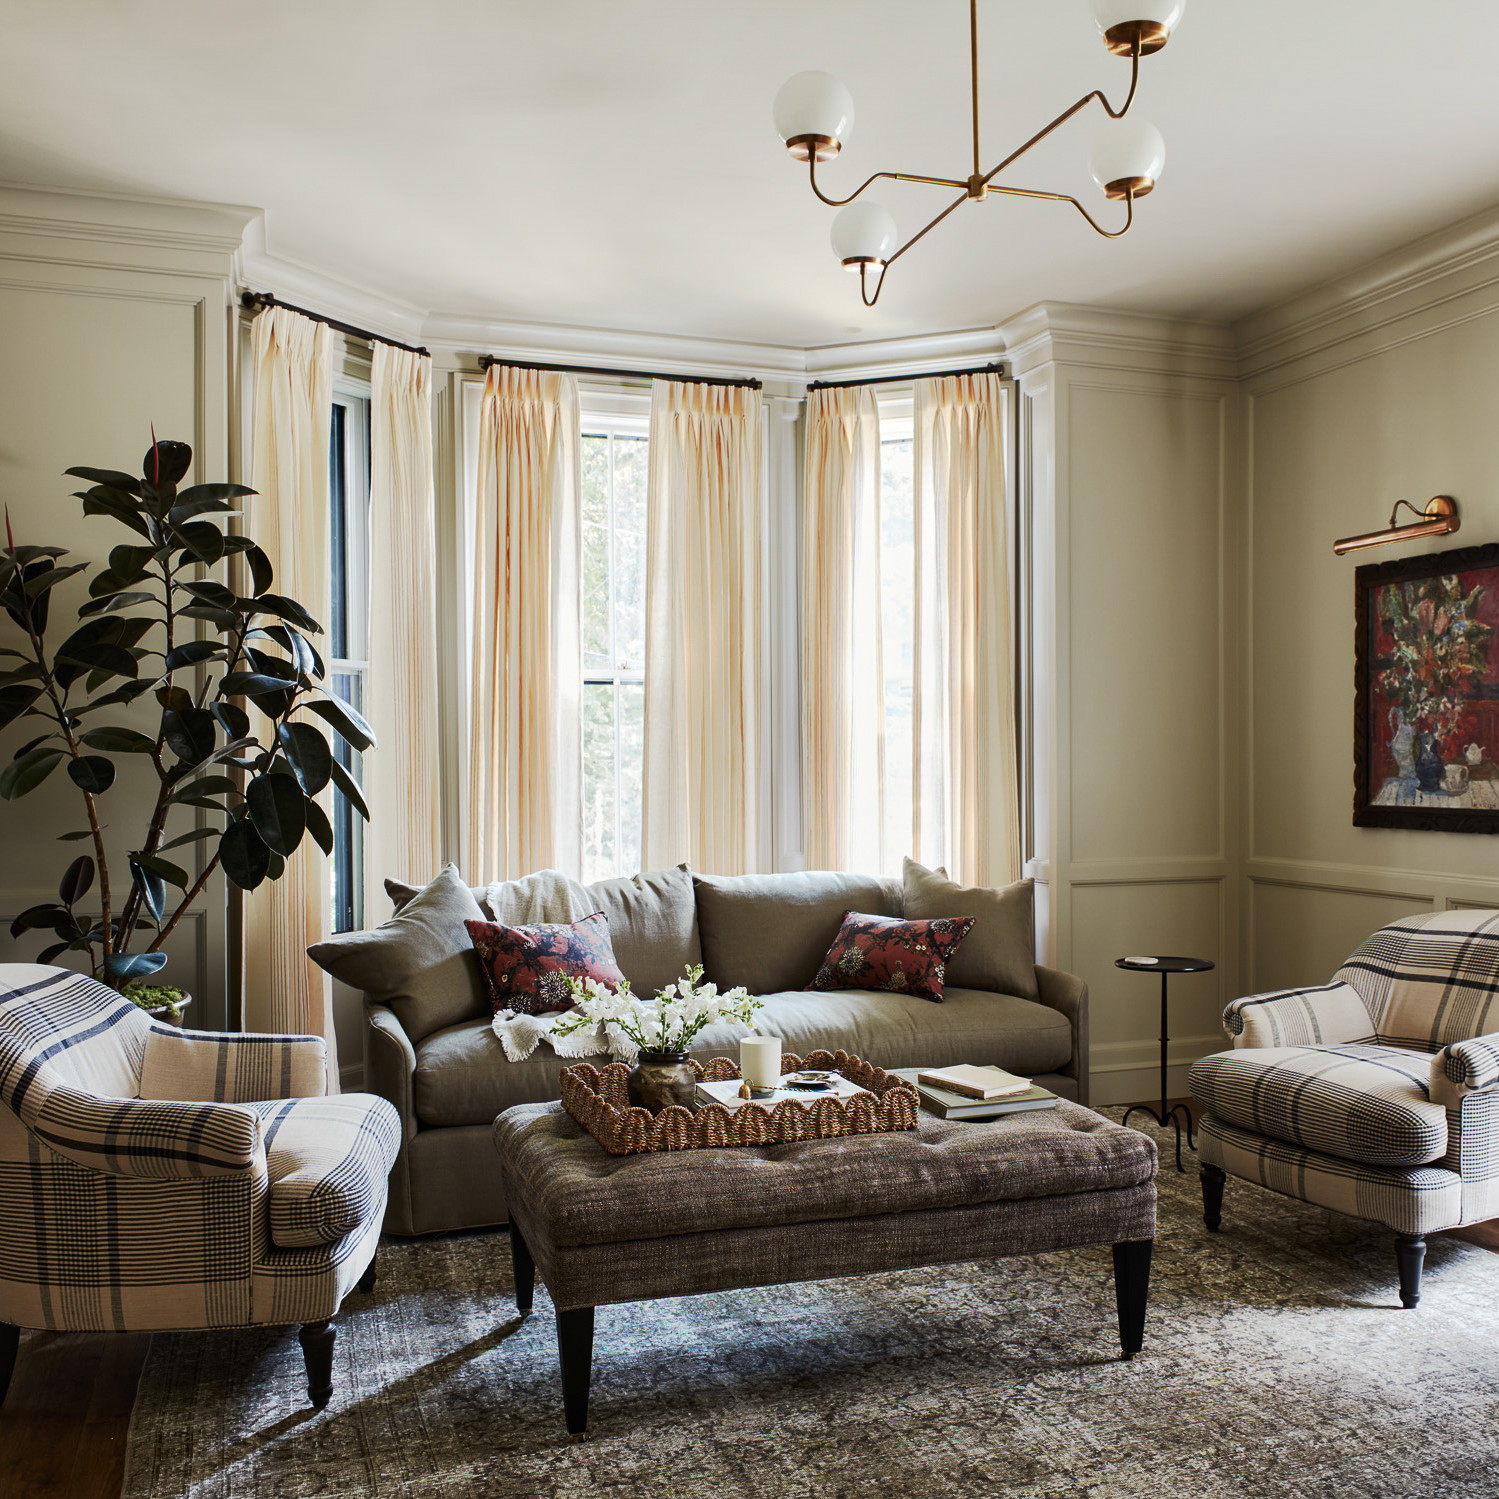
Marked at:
<point>191,836</point>
<point>172,873</point>
<point>121,967</point>
<point>235,721</point>
<point>279,811</point>
<point>201,786</point>
<point>45,581</point>
<point>111,477</point>
<point>190,733</point>
<point>243,854</point>
<point>92,773</point>
<point>289,610</point>
<point>211,593</point>
<point>310,757</point>
<point>250,684</point>
<point>191,652</point>
<point>262,574</point>
<point>201,540</point>
<point>112,660</point>
<point>114,601</point>
<point>319,828</point>
<point>28,771</point>
<point>48,915</point>
<point>14,701</point>
<point>346,718</point>
<point>77,881</point>
<point>119,505</point>
<point>119,740</point>
<point>196,492</point>
<point>152,887</point>
<point>350,788</point>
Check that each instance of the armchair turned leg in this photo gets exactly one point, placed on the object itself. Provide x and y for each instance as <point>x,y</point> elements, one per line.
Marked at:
<point>317,1353</point>
<point>10,1338</point>
<point>1213,1178</point>
<point>366,1282</point>
<point>1410,1250</point>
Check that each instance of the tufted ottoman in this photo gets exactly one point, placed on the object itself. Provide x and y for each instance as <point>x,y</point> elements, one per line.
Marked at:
<point>604,1228</point>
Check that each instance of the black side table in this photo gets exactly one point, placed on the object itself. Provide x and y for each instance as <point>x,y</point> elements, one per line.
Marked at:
<point>1177,1114</point>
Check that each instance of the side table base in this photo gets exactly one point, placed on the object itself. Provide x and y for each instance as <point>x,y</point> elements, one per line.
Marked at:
<point>1178,1115</point>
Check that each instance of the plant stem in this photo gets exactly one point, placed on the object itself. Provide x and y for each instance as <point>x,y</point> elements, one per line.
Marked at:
<point>187,900</point>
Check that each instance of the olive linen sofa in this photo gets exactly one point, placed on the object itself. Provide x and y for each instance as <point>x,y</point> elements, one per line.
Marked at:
<point>1375,1095</point>
<point>433,1053</point>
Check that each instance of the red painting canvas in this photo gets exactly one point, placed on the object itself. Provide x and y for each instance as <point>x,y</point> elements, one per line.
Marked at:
<point>1426,736</point>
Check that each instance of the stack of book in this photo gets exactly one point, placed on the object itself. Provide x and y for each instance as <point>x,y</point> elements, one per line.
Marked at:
<point>968,1092</point>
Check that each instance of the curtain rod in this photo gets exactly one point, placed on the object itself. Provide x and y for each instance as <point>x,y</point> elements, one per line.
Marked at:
<point>257,299</point>
<point>980,369</point>
<point>486,360</point>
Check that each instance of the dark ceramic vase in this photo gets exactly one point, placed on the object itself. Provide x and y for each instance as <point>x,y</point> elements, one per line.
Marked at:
<point>661,1079</point>
<point>1429,766</point>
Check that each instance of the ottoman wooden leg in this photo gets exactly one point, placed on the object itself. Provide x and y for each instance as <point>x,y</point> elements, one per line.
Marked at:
<point>1132,1291</point>
<point>10,1340</point>
<point>575,1348</point>
<point>525,1270</point>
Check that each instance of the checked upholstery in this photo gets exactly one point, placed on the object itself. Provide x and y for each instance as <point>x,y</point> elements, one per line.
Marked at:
<point>1376,1094</point>
<point>154,1178</point>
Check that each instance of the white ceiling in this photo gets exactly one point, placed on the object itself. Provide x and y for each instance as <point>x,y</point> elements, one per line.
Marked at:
<point>611,163</point>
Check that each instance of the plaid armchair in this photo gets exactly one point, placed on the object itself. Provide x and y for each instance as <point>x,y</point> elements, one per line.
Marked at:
<point>1376,1095</point>
<point>153,1178</point>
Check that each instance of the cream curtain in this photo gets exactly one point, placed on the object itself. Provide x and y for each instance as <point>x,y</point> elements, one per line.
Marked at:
<point>402,778</point>
<point>289,431</point>
<point>963,700</point>
<point>702,762</point>
<point>843,686</point>
<point>525,736</point>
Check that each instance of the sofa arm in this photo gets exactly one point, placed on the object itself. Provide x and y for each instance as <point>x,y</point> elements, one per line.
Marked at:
<point>1464,1067</point>
<point>1068,995</point>
<point>392,1065</point>
<point>137,1137</point>
<point>1329,1015</point>
<point>232,1067</point>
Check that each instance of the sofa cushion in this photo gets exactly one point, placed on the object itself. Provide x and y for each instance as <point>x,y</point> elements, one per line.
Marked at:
<point>1000,952</point>
<point>652,920</point>
<point>1361,1102</point>
<point>420,962</point>
<point>527,968</point>
<point>891,954</point>
<point>327,1160</point>
<point>770,932</point>
<point>462,1076</point>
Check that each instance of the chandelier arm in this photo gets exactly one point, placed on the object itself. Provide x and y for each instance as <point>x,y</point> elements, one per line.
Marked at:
<point>869,301</point>
<point>1067,114</point>
<point>1027,192</point>
<point>893,176</point>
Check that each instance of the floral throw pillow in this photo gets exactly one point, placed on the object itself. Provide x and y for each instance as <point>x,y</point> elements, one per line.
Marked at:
<point>526,968</point>
<point>884,952</point>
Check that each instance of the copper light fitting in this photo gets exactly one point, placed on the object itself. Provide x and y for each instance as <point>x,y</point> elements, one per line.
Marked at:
<point>813,112</point>
<point>1439,518</point>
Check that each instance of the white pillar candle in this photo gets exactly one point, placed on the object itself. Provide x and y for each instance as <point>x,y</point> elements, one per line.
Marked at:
<point>760,1060</point>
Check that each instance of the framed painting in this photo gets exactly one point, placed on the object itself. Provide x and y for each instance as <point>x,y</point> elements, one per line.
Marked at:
<point>1426,714</point>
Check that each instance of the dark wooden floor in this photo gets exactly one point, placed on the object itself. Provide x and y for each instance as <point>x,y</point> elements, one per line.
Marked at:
<point>63,1426</point>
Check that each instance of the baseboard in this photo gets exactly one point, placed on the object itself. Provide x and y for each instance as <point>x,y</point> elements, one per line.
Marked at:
<point>351,1077</point>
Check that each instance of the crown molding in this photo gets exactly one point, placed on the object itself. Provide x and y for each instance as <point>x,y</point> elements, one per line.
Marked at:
<point>1447,277</point>
<point>122,221</point>
<point>1120,342</point>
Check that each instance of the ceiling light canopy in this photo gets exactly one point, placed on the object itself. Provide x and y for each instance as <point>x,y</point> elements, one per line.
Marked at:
<point>814,115</point>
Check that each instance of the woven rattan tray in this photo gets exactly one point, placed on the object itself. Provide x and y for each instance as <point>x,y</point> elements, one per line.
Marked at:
<point>599,1102</point>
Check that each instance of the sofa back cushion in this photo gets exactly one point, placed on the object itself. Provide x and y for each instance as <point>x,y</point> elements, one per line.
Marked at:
<point>999,953</point>
<point>652,916</point>
<point>420,962</point>
<point>770,932</point>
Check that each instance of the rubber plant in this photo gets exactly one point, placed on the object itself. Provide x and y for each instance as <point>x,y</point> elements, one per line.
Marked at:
<point>243,722</point>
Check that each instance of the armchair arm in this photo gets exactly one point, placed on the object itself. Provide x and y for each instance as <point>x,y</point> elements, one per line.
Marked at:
<point>136,1137</point>
<point>1328,1015</point>
<point>1068,994</point>
<point>1464,1067</point>
<point>232,1066</point>
<point>392,1065</point>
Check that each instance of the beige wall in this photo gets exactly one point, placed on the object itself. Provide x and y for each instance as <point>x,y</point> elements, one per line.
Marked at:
<point>113,315</point>
<point>1130,426</point>
<point>1381,387</point>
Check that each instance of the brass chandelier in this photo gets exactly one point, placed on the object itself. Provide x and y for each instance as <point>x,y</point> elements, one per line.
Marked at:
<point>814,115</point>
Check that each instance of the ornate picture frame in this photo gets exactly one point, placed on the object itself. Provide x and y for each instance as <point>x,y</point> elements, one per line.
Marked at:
<point>1426,698</point>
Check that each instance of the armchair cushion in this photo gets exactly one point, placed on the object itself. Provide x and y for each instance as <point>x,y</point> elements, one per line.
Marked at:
<point>327,1159</point>
<point>1358,1102</point>
<point>1327,1015</point>
<point>232,1068</point>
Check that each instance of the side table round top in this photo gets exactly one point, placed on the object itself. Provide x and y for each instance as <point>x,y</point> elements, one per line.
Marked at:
<point>1163,964</point>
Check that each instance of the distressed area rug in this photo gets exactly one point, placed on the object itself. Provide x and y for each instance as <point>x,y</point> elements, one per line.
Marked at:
<point>1277,1363</point>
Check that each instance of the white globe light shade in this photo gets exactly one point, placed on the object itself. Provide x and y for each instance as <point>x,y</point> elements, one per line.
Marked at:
<point>813,107</point>
<point>1147,24</point>
<point>1127,154</point>
<point>863,232</point>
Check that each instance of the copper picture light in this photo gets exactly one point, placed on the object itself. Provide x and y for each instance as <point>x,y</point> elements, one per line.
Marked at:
<point>1439,518</point>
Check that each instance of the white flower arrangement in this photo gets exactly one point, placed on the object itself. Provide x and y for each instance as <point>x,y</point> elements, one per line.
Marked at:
<point>667,1023</point>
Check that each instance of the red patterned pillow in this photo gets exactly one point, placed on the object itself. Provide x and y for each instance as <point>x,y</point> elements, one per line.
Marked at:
<point>884,952</point>
<point>526,968</point>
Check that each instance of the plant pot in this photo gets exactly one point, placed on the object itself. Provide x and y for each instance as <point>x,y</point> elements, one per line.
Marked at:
<point>171,1014</point>
<point>661,1079</point>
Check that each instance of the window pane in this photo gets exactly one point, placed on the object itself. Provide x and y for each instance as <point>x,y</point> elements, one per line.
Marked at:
<point>631,760</point>
<point>631,461</point>
<point>600,785</point>
<point>596,568</point>
<point>898,624</point>
<point>338,497</point>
